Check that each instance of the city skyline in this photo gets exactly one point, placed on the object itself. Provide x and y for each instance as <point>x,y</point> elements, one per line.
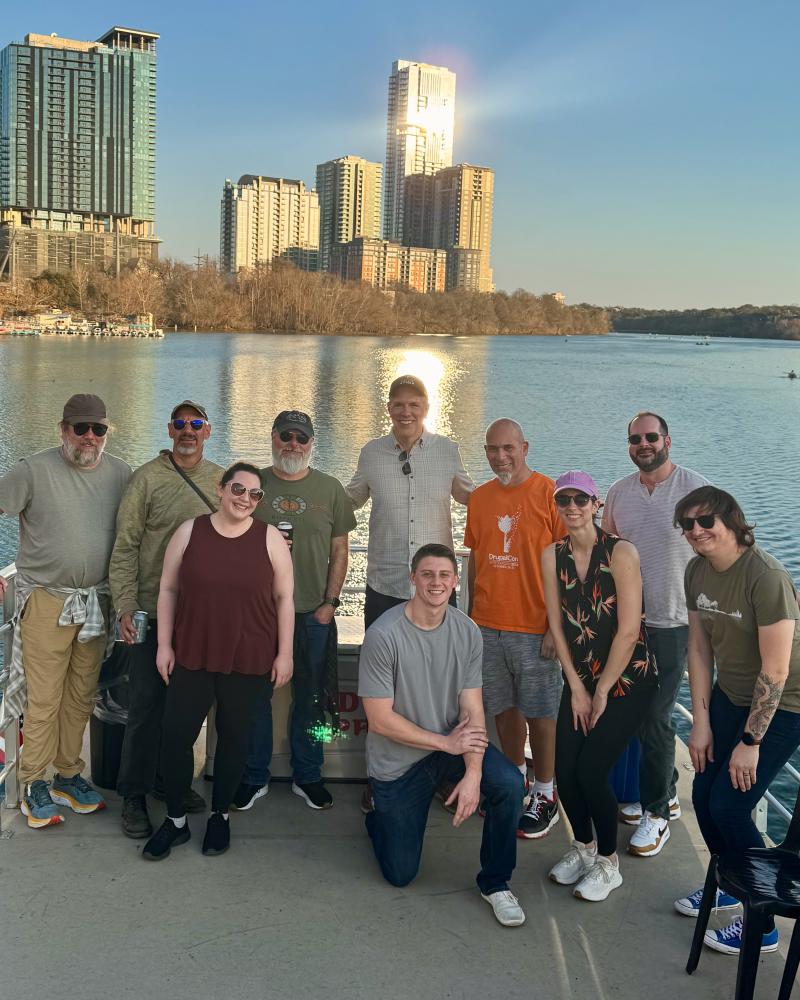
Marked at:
<point>643,156</point>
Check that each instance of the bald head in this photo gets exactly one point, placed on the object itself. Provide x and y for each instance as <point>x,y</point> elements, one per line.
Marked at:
<point>506,451</point>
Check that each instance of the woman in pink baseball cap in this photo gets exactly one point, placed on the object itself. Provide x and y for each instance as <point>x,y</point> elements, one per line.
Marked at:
<point>593,592</point>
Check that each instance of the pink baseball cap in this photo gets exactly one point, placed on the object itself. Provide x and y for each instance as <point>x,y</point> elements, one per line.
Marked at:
<point>577,481</point>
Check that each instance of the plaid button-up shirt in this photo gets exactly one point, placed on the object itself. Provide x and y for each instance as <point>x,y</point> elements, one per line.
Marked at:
<point>407,511</point>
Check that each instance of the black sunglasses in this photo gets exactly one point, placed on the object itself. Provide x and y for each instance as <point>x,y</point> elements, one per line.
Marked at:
<point>179,423</point>
<point>651,437</point>
<point>406,466</point>
<point>565,499</point>
<point>99,430</point>
<point>239,490</point>
<point>297,436</point>
<point>704,520</point>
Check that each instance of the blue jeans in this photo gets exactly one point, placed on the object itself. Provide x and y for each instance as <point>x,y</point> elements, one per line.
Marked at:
<point>397,825</point>
<point>304,743</point>
<point>657,774</point>
<point>723,812</point>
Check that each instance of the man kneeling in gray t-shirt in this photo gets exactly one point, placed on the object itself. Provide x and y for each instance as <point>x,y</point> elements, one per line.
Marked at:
<point>420,681</point>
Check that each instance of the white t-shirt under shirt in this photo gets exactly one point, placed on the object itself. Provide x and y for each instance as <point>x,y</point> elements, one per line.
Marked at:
<point>645,519</point>
<point>423,671</point>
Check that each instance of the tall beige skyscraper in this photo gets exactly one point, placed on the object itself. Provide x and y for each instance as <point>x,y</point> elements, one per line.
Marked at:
<point>419,131</point>
<point>263,218</point>
<point>349,190</point>
<point>463,201</point>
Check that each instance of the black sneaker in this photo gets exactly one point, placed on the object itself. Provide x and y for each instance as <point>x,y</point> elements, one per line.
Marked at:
<point>315,793</point>
<point>135,821</point>
<point>193,803</point>
<point>539,818</point>
<point>218,835</point>
<point>164,839</point>
<point>247,794</point>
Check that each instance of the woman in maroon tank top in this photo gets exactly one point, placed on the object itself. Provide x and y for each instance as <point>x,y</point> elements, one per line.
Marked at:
<point>225,625</point>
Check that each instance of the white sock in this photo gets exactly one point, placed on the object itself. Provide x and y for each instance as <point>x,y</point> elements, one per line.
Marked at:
<point>225,816</point>
<point>523,770</point>
<point>179,823</point>
<point>543,788</point>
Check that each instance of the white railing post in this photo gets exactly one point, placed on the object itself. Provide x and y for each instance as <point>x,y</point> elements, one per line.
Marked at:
<point>9,777</point>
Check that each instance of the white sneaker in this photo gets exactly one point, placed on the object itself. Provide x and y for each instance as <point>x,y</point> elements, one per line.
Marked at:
<point>506,908</point>
<point>629,812</point>
<point>601,879</point>
<point>649,837</point>
<point>674,808</point>
<point>574,865</point>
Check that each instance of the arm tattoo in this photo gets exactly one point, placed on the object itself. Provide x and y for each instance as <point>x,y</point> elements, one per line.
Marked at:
<point>766,696</point>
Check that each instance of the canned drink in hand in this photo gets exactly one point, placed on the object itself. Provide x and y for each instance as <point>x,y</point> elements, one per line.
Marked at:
<point>140,621</point>
<point>286,528</point>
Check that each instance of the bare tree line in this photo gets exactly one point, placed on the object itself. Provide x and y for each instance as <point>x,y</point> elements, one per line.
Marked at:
<point>286,299</point>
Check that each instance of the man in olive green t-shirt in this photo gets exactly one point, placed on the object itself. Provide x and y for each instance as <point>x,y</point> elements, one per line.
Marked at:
<point>321,517</point>
<point>158,500</point>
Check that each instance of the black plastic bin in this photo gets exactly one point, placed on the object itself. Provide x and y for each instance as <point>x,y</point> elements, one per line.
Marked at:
<point>109,718</point>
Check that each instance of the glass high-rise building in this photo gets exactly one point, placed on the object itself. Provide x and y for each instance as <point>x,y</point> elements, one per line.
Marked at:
<point>77,151</point>
<point>349,189</point>
<point>419,132</point>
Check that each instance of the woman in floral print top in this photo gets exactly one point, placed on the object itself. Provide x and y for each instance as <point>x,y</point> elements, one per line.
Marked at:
<point>593,592</point>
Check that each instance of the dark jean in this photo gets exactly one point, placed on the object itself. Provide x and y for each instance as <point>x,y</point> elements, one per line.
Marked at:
<point>147,695</point>
<point>723,812</point>
<point>657,774</point>
<point>304,742</point>
<point>397,824</point>
<point>375,604</point>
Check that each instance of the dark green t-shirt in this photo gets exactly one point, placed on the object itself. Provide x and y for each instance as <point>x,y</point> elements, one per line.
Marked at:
<point>755,591</point>
<point>319,509</point>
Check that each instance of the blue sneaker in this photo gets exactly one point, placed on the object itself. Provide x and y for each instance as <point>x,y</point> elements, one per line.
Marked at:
<point>689,906</point>
<point>37,805</point>
<point>728,939</point>
<point>76,793</point>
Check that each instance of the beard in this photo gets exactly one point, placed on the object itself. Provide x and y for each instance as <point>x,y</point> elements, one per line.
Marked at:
<point>657,459</point>
<point>505,477</point>
<point>186,447</point>
<point>290,462</point>
<point>83,457</point>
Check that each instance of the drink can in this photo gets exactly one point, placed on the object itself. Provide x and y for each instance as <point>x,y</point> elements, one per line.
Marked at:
<point>286,528</point>
<point>140,621</point>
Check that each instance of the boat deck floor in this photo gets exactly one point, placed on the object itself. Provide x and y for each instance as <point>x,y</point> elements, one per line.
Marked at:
<point>297,908</point>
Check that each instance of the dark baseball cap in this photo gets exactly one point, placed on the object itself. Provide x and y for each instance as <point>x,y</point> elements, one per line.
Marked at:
<point>293,420</point>
<point>189,405</point>
<point>408,381</point>
<point>83,407</point>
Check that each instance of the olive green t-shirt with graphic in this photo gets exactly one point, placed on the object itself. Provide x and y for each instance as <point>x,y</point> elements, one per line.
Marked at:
<point>755,591</point>
<point>318,509</point>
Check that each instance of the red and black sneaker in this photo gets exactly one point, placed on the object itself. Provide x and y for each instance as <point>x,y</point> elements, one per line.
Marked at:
<point>539,818</point>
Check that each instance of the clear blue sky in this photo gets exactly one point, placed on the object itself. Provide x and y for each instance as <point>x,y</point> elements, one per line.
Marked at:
<point>646,152</point>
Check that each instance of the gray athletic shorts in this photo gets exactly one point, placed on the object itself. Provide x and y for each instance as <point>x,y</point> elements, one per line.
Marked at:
<point>516,676</point>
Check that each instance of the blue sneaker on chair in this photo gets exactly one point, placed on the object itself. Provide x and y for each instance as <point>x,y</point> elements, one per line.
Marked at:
<point>76,793</point>
<point>37,805</point>
<point>728,939</point>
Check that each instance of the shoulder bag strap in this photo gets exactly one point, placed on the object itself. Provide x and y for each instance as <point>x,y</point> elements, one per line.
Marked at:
<point>193,485</point>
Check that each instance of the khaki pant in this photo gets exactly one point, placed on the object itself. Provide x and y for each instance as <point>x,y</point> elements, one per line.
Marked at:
<point>61,676</point>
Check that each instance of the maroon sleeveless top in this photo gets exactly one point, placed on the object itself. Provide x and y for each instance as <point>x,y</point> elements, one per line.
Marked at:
<point>225,621</point>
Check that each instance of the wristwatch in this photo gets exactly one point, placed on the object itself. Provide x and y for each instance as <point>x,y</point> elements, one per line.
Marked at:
<point>333,601</point>
<point>749,740</point>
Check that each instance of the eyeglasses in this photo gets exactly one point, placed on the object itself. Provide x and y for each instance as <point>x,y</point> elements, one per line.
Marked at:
<point>297,436</point>
<point>563,500</point>
<point>651,437</point>
<point>179,423</point>
<point>99,430</point>
<point>704,520</point>
<point>406,466</point>
<point>239,490</point>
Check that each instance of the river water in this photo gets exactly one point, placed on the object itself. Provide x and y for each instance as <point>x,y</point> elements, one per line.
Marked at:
<point>731,415</point>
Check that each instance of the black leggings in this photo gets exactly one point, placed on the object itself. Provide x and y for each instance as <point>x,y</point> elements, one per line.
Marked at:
<point>190,695</point>
<point>583,763</point>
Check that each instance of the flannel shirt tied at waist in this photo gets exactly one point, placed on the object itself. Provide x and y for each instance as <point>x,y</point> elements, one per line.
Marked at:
<point>81,607</point>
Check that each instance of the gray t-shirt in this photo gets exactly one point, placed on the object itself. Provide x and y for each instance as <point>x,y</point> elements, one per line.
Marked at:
<point>67,517</point>
<point>423,671</point>
<point>645,519</point>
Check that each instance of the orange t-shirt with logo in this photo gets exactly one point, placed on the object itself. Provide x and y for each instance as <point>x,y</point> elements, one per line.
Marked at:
<point>508,528</point>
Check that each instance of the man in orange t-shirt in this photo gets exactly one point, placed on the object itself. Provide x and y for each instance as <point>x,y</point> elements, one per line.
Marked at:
<point>510,521</point>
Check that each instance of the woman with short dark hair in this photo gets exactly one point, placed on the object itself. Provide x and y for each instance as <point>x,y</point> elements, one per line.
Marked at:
<point>225,626</point>
<point>742,618</point>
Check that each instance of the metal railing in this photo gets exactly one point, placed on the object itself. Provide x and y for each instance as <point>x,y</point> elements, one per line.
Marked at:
<point>9,773</point>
